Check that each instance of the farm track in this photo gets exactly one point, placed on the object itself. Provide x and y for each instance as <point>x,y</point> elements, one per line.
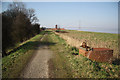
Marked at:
<point>38,65</point>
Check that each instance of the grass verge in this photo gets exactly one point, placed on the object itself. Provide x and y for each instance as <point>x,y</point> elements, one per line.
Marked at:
<point>96,39</point>
<point>66,65</point>
<point>13,64</point>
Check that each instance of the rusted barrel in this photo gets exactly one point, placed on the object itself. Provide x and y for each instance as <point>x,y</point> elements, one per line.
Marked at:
<point>98,54</point>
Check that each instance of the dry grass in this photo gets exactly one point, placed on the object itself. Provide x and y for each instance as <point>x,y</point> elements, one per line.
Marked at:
<point>95,39</point>
<point>66,65</point>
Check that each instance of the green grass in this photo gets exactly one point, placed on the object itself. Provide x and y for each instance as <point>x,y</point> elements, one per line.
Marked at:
<point>62,65</point>
<point>66,65</point>
<point>13,64</point>
<point>96,39</point>
<point>19,44</point>
<point>58,64</point>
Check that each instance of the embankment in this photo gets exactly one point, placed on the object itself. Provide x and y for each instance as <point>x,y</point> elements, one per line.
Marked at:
<point>93,39</point>
<point>71,41</point>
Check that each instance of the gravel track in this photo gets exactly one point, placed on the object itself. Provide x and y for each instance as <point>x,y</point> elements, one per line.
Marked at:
<point>38,65</point>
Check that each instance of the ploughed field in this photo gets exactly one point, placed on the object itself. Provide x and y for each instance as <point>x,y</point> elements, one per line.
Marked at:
<point>96,39</point>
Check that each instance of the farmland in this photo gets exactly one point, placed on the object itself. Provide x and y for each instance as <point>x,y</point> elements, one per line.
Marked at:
<point>96,39</point>
<point>66,65</point>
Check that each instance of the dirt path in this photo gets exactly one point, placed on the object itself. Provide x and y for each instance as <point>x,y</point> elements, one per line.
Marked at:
<point>38,66</point>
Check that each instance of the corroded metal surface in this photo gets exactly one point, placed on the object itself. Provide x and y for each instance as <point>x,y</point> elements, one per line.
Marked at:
<point>98,54</point>
<point>83,52</point>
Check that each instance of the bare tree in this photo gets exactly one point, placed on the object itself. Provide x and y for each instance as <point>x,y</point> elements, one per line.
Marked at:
<point>31,16</point>
<point>19,24</point>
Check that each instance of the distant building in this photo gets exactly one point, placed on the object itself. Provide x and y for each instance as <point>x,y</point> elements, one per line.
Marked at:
<point>56,26</point>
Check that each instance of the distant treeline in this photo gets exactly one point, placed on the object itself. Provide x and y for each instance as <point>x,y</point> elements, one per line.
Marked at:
<point>18,25</point>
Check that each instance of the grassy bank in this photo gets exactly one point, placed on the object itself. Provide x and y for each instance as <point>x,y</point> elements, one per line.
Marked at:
<point>63,64</point>
<point>14,63</point>
<point>96,39</point>
<point>66,65</point>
